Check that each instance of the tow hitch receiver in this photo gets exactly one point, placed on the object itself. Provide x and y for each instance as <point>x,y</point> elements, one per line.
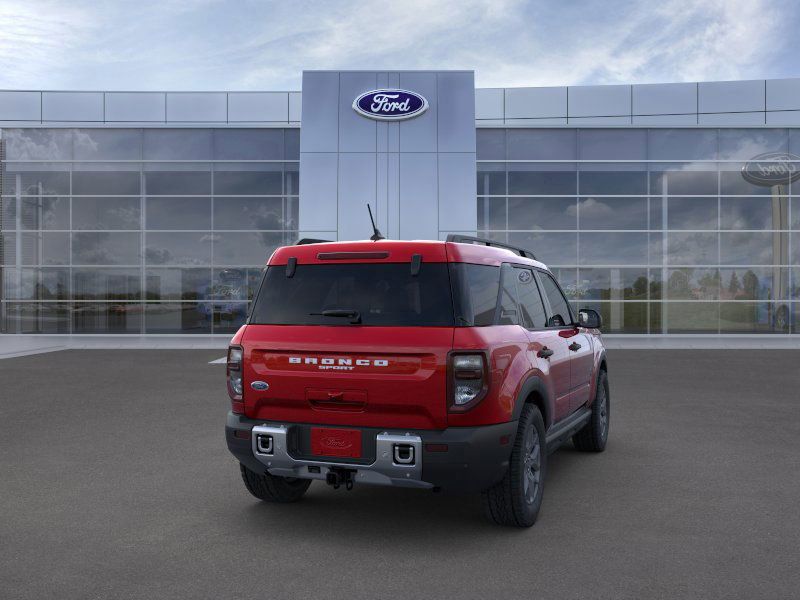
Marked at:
<point>338,476</point>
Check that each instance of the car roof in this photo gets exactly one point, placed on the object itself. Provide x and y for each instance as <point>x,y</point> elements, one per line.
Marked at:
<point>398,251</point>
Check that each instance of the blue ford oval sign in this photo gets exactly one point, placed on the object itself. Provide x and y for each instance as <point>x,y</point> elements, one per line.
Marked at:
<point>390,105</point>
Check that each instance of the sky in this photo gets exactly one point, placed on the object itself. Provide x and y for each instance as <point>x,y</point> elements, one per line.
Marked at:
<point>265,45</point>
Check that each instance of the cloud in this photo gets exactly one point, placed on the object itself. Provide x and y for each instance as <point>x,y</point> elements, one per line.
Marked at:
<point>591,208</point>
<point>38,37</point>
<point>216,44</point>
<point>386,35</point>
<point>673,40</point>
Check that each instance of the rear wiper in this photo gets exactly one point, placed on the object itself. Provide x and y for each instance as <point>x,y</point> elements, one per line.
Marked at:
<point>353,315</point>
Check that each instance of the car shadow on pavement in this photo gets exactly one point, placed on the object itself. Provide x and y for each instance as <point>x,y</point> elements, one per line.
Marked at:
<point>396,512</point>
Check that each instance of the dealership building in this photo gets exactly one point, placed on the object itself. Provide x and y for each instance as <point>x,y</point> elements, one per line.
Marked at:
<point>672,209</point>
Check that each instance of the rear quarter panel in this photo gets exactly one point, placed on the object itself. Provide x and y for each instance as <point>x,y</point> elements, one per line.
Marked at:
<point>509,366</point>
<point>599,358</point>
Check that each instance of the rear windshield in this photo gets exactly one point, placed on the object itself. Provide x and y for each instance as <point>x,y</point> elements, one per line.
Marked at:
<point>384,294</point>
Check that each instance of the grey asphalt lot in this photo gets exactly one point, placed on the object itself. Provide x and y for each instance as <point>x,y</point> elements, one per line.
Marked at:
<point>115,482</point>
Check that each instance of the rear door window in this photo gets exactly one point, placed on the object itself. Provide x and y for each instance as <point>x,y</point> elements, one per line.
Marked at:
<point>559,314</point>
<point>530,300</point>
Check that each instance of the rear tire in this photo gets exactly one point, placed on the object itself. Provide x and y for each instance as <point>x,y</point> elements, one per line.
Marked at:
<point>516,500</point>
<point>594,435</point>
<point>269,488</point>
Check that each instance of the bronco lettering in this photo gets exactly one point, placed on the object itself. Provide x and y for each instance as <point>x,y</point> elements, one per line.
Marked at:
<point>338,362</point>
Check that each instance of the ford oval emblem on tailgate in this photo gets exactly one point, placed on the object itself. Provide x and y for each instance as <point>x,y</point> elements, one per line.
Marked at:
<point>259,385</point>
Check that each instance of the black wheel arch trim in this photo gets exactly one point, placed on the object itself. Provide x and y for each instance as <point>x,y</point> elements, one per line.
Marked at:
<point>603,360</point>
<point>535,384</point>
<point>602,365</point>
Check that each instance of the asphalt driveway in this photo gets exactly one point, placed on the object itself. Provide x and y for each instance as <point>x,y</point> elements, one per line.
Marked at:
<point>115,483</point>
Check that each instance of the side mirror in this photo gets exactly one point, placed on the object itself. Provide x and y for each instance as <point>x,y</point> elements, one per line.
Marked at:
<point>589,318</point>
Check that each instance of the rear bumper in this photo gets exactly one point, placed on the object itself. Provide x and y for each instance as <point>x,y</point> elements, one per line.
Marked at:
<point>475,458</point>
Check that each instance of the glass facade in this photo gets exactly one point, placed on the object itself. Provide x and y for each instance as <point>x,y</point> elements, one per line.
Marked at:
<point>141,230</point>
<point>159,230</point>
<point>656,229</point>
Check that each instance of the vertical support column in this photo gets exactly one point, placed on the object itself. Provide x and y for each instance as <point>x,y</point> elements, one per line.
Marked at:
<point>18,248</point>
<point>458,203</point>
<point>780,256</point>
<point>664,253</point>
<point>616,312</point>
<point>417,174</point>
<point>143,243</point>
<point>382,165</point>
<point>319,155</point>
<point>2,235</point>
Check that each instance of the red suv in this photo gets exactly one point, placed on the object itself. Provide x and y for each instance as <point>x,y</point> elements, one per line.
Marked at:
<point>454,365</point>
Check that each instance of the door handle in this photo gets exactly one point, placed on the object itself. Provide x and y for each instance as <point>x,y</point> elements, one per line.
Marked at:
<point>574,346</point>
<point>545,352</point>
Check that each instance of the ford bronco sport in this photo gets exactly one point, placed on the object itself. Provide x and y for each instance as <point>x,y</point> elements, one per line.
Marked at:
<point>455,365</point>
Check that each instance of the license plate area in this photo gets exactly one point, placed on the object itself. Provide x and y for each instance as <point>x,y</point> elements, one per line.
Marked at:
<point>340,443</point>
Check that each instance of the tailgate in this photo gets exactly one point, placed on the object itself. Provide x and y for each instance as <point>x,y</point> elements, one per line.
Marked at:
<point>386,377</point>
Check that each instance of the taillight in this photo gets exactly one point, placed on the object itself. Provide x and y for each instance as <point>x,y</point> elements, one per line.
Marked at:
<point>234,372</point>
<point>469,380</point>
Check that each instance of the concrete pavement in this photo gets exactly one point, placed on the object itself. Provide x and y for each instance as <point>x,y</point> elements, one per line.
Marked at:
<point>115,483</point>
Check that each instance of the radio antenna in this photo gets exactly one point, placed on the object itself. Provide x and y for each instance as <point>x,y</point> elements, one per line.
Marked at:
<point>376,233</point>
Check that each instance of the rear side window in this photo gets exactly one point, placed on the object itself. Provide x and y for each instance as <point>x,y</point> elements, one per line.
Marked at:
<point>530,301</point>
<point>559,307</point>
<point>383,294</point>
<point>508,297</point>
<point>474,293</point>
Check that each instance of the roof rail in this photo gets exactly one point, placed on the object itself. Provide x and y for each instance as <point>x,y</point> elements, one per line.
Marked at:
<point>304,241</point>
<point>468,239</point>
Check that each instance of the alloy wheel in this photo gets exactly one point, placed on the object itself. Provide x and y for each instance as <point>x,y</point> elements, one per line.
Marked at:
<point>532,473</point>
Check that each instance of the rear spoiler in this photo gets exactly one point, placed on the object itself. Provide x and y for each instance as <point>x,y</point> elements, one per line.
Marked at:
<point>304,241</point>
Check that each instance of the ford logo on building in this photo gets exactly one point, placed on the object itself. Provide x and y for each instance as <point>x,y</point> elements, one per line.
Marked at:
<point>772,168</point>
<point>390,105</point>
